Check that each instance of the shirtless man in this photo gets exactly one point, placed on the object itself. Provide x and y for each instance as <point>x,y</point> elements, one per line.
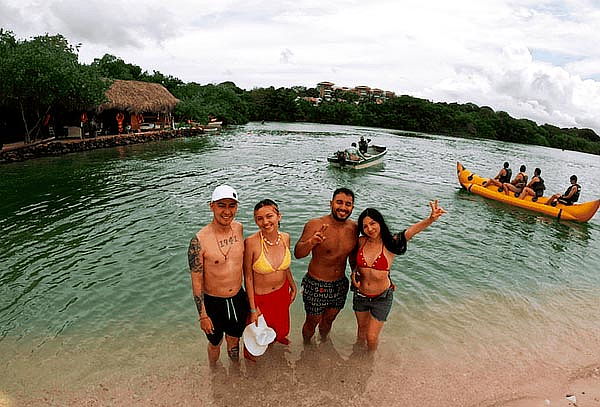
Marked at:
<point>215,258</point>
<point>331,239</point>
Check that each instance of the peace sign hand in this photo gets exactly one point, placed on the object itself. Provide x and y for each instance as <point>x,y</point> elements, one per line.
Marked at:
<point>436,210</point>
<point>319,235</point>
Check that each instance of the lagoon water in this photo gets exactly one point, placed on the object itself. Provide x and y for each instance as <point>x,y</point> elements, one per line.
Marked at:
<point>95,298</point>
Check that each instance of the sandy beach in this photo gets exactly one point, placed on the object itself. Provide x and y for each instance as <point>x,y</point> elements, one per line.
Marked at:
<point>332,373</point>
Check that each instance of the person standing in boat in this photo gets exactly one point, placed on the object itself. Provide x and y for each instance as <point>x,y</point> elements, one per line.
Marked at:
<point>502,177</point>
<point>517,184</point>
<point>570,196</point>
<point>363,145</point>
<point>372,285</point>
<point>535,188</point>
<point>215,257</point>
<point>269,281</point>
<point>331,239</point>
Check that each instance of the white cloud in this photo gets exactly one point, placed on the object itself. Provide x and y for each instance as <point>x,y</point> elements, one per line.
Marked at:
<point>532,58</point>
<point>514,82</point>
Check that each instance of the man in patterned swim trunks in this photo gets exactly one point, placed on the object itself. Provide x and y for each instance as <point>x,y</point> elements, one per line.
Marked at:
<point>331,239</point>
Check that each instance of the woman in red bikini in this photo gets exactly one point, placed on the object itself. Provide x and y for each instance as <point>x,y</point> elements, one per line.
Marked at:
<point>372,286</point>
<point>269,283</point>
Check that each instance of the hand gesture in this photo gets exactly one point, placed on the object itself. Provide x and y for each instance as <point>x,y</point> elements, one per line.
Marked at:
<point>206,325</point>
<point>319,235</point>
<point>436,210</point>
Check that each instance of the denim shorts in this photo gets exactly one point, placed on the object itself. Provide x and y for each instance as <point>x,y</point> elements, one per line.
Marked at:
<point>379,306</point>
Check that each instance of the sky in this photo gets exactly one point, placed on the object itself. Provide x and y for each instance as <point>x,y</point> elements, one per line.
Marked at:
<point>535,59</point>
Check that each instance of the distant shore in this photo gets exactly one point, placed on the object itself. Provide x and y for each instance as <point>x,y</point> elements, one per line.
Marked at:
<point>53,147</point>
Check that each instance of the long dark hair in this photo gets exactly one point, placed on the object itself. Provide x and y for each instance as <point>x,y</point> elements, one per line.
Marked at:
<point>391,242</point>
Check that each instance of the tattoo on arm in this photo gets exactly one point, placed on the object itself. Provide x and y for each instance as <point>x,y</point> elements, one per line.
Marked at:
<point>197,269</point>
<point>198,301</point>
<point>195,256</point>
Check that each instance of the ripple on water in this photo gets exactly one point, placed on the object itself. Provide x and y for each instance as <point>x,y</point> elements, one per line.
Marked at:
<point>95,244</point>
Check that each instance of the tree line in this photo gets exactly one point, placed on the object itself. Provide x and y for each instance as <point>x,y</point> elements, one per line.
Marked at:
<point>43,74</point>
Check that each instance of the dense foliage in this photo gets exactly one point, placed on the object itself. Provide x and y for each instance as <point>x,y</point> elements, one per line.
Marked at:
<point>43,73</point>
<point>42,76</point>
<point>419,115</point>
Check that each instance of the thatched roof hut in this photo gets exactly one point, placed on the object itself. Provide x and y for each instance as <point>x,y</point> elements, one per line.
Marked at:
<point>138,97</point>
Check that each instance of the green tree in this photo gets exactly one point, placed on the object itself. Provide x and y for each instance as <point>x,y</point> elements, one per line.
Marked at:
<point>114,67</point>
<point>42,74</point>
<point>170,82</point>
<point>222,101</point>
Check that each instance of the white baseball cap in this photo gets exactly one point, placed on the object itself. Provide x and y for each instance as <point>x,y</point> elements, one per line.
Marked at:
<point>224,192</point>
<point>258,338</point>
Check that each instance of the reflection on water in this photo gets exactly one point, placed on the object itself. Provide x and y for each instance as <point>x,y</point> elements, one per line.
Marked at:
<point>93,248</point>
<point>320,376</point>
<point>565,232</point>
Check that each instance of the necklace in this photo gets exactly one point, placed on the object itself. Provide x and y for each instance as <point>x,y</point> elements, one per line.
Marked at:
<point>267,241</point>
<point>230,239</point>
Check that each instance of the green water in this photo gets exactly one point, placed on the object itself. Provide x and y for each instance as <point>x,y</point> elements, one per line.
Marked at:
<point>93,245</point>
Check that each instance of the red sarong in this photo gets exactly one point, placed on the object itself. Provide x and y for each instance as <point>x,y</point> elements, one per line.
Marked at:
<point>275,307</point>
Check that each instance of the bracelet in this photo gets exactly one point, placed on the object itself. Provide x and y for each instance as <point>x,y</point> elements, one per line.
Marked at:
<point>203,318</point>
<point>252,310</point>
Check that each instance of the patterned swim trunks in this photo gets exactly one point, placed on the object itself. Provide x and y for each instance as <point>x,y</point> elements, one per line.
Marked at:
<point>319,295</point>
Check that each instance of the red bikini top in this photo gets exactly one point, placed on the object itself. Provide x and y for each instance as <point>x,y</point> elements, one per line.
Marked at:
<point>380,262</point>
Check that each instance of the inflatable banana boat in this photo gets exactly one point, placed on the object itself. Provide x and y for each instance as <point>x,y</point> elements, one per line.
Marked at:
<point>577,212</point>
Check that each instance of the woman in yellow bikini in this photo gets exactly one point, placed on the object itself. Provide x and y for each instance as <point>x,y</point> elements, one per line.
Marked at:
<point>269,283</point>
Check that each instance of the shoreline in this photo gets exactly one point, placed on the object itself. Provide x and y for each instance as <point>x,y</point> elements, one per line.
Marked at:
<point>55,147</point>
<point>169,367</point>
<point>318,374</point>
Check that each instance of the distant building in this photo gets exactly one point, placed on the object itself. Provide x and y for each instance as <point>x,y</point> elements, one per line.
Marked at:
<point>362,91</point>
<point>325,90</point>
<point>311,100</point>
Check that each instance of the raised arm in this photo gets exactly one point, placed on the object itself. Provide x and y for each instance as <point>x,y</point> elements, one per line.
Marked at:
<point>436,212</point>
<point>196,264</point>
<point>311,236</point>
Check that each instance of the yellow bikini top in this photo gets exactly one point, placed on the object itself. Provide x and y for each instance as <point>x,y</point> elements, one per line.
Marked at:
<point>262,264</point>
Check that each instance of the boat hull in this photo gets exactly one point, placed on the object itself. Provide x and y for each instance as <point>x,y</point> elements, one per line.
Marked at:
<point>375,156</point>
<point>576,212</point>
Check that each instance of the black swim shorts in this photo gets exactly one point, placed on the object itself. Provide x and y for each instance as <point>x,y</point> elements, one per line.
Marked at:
<point>379,306</point>
<point>565,201</point>
<point>319,295</point>
<point>228,315</point>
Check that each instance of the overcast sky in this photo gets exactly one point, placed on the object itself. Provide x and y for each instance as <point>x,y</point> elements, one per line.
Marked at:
<point>534,59</point>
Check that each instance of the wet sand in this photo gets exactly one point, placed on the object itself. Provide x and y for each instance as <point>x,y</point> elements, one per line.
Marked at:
<point>319,374</point>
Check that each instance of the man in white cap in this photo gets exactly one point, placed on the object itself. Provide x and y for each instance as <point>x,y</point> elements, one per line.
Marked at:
<point>215,257</point>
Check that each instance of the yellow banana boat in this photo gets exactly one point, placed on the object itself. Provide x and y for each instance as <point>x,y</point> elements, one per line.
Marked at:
<point>577,212</point>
